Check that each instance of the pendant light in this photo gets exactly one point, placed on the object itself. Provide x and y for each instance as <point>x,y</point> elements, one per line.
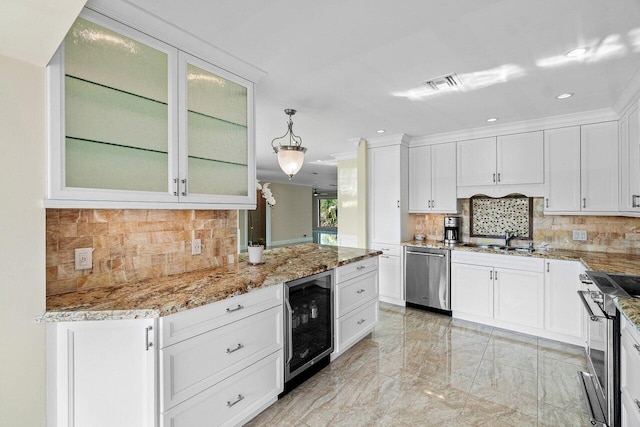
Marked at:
<point>291,156</point>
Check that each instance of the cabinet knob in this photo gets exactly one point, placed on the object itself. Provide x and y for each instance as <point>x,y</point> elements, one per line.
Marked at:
<point>546,201</point>
<point>494,177</point>
<point>584,202</point>
<point>498,176</point>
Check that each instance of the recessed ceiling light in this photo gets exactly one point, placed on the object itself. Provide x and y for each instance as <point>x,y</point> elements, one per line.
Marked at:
<point>564,96</point>
<point>492,119</point>
<point>381,131</point>
<point>577,52</point>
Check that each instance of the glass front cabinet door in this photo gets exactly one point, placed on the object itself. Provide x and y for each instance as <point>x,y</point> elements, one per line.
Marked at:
<point>135,122</point>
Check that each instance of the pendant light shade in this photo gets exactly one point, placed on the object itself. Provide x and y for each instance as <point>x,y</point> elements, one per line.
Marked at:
<point>290,156</point>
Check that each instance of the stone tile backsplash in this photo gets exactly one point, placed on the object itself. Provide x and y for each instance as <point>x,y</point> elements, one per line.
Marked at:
<point>134,244</point>
<point>612,234</point>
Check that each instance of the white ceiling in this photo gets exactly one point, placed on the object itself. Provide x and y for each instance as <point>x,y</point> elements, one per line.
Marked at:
<point>343,63</point>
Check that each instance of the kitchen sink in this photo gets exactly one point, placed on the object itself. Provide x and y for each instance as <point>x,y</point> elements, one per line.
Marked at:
<point>501,248</point>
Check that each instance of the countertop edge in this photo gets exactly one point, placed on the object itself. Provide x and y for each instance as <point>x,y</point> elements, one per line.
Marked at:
<point>81,314</point>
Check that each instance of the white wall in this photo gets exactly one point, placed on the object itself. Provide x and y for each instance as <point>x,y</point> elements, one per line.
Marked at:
<point>22,243</point>
<point>291,217</point>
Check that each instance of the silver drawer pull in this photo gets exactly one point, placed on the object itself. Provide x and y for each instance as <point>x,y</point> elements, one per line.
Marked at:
<point>147,342</point>
<point>637,403</point>
<point>637,347</point>
<point>361,267</point>
<point>359,291</point>
<point>231,310</point>
<point>238,400</point>
<point>385,249</point>
<point>361,321</point>
<point>233,350</point>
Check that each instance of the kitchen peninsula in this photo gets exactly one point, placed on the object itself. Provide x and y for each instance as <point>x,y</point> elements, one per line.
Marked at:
<point>182,349</point>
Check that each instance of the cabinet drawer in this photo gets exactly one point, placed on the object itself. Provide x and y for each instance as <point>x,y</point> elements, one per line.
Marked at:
<point>387,248</point>
<point>186,324</point>
<point>349,271</point>
<point>231,401</point>
<point>351,326</point>
<point>355,292</point>
<point>192,366</point>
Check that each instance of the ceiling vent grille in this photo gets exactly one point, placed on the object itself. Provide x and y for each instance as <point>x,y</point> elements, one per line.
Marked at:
<point>446,82</point>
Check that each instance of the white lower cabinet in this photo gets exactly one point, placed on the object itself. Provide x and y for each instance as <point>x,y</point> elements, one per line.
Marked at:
<point>218,364</point>
<point>629,374</point>
<point>517,296</point>
<point>356,303</point>
<point>563,310</point>
<point>390,270</point>
<point>525,294</point>
<point>101,373</point>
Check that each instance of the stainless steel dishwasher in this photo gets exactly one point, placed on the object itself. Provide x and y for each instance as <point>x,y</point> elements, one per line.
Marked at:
<point>427,282</point>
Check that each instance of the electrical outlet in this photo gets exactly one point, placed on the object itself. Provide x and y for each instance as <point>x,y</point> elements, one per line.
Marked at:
<point>83,258</point>
<point>196,247</point>
<point>579,234</point>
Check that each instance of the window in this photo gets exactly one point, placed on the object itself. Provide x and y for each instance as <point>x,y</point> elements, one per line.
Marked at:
<point>327,213</point>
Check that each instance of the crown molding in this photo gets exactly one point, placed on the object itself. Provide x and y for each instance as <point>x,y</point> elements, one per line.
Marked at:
<point>383,141</point>
<point>588,117</point>
<point>156,27</point>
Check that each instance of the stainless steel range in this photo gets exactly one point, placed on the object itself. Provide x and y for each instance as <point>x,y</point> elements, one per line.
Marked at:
<point>602,381</point>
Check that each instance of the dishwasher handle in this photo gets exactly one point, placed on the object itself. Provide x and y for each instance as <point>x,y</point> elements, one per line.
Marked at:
<point>425,254</point>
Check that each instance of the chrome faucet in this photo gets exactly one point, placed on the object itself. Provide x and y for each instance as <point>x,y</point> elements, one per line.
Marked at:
<point>507,238</point>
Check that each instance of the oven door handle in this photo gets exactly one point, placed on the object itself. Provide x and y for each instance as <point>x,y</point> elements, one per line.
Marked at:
<point>289,331</point>
<point>592,316</point>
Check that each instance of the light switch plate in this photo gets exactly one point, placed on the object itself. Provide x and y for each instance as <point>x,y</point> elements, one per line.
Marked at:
<point>196,247</point>
<point>83,258</point>
<point>579,234</point>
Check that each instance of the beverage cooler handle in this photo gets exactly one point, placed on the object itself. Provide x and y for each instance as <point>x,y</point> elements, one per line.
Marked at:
<point>289,332</point>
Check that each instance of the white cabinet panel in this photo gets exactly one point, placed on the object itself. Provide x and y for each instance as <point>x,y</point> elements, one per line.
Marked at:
<point>472,289</point>
<point>562,169</point>
<point>476,162</point>
<point>518,297</point>
<point>420,179</point>
<point>355,292</point>
<point>599,166</point>
<point>629,374</point>
<point>629,132</point>
<point>432,179</point>
<point>443,178</point>
<point>385,194</point>
<point>562,306</point>
<point>390,276</point>
<point>352,327</point>
<point>520,158</point>
<point>105,374</point>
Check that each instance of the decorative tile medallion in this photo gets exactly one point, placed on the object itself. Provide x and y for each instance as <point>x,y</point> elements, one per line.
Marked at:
<point>494,217</point>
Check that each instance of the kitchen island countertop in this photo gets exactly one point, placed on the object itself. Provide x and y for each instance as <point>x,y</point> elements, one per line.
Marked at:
<point>597,261</point>
<point>163,296</point>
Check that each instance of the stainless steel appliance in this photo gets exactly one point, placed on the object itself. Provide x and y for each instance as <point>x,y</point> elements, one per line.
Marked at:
<point>451,230</point>
<point>427,278</point>
<point>308,326</point>
<point>601,382</point>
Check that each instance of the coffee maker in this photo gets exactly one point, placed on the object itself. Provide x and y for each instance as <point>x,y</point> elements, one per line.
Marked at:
<point>451,230</point>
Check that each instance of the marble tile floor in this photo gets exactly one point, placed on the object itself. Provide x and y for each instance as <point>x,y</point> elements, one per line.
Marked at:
<point>423,369</point>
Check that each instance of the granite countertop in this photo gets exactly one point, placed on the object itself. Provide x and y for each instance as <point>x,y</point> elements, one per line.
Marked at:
<point>596,261</point>
<point>163,296</point>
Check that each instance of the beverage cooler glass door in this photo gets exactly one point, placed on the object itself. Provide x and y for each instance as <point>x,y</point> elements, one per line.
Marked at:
<point>308,321</point>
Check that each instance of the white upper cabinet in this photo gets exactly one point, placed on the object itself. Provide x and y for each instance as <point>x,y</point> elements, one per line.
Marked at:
<point>504,164</point>
<point>582,169</point>
<point>520,159</point>
<point>599,167</point>
<point>388,193</point>
<point>135,122</point>
<point>432,179</point>
<point>629,131</point>
<point>562,169</point>
<point>477,162</point>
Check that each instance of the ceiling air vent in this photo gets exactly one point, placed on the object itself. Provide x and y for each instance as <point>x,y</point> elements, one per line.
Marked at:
<point>446,82</point>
